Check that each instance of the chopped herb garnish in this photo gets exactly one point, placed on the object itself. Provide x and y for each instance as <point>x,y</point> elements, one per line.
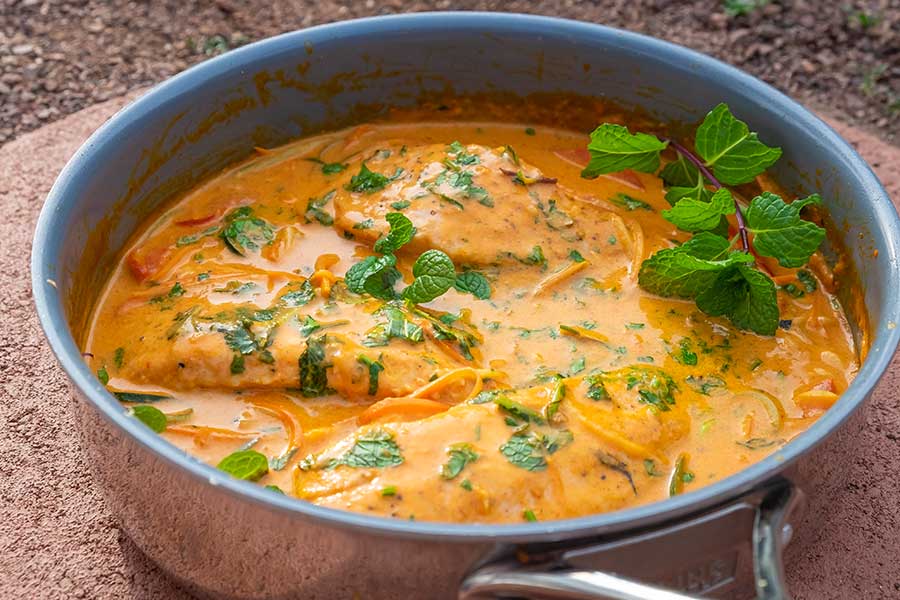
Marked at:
<point>629,203</point>
<point>245,464</point>
<point>314,369</point>
<point>373,449</point>
<point>388,491</point>
<point>315,212</point>
<point>528,515</point>
<point>368,181</point>
<point>244,233</point>
<point>150,416</point>
<point>187,240</point>
<point>375,368</point>
<point>103,375</point>
<point>459,455</point>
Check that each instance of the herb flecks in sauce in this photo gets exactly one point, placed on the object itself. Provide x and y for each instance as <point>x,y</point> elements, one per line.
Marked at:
<point>456,328</point>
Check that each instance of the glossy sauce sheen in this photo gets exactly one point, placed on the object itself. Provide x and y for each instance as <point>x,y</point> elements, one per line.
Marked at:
<point>650,397</point>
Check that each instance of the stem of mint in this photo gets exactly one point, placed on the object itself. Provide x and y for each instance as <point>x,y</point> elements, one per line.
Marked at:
<point>704,170</point>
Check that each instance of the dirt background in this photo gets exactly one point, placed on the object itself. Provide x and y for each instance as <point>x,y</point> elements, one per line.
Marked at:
<point>839,56</point>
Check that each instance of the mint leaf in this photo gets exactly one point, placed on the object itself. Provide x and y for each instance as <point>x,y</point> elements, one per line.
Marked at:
<point>696,215</point>
<point>375,368</point>
<point>245,464</point>
<point>688,269</point>
<point>374,449</point>
<point>524,452</point>
<point>368,181</point>
<point>298,297</point>
<point>371,266</point>
<point>150,416</point>
<point>246,233</point>
<point>728,146</point>
<point>402,231</point>
<point>314,369</point>
<point>679,173</point>
<point>381,284</point>
<point>473,282</point>
<point>314,209</point>
<point>684,180</point>
<point>140,397</point>
<point>460,456</point>
<point>613,148</point>
<point>744,295</point>
<point>779,231</point>
<point>434,274</point>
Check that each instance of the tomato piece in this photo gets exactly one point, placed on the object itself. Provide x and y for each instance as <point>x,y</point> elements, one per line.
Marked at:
<point>197,221</point>
<point>145,263</point>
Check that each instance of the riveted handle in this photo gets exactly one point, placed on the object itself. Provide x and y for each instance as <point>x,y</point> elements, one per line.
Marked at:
<point>561,573</point>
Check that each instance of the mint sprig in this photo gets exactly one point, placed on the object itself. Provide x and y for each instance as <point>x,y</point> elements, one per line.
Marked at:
<point>723,280</point>
<point>433,271</point>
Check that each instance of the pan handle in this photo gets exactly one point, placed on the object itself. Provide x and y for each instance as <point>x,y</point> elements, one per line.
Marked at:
<point>555,578</point>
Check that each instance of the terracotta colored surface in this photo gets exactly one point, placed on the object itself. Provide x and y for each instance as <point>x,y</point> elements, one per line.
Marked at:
<point>58,541</point>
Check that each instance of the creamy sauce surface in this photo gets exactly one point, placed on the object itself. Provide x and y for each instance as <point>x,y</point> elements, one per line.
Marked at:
<point>569,391</point>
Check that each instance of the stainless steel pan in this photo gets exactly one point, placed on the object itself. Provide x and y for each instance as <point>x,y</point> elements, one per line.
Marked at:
<point>227,538</point>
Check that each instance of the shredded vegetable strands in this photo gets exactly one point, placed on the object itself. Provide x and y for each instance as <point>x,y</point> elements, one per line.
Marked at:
<point>558,277</point>
<point>292,426</point>
<point>202,434</point>
<point>401,409</point>
<point>626,446</point>
<point>773,409</point>
<point>583,332</point>
<point>676,480</point>
<point>461,374</point>
<point>173,260</point>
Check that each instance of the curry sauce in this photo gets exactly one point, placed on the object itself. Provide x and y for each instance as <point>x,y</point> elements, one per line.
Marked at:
<point>544,384</point>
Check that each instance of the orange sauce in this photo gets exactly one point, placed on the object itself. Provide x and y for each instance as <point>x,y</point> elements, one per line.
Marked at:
<point>568,391</point>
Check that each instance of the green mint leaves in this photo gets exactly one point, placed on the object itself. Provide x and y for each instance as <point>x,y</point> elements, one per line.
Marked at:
<point>473,282</point>
<point>709,269</point>
<point>368,181</point>
<point>373,449</point>
<point>402,231</point>
<point>434,274</point>
<point>696,214</point>
<point>244,233</point>
<point>245,464</point>
<point>688,269</point>
<point>459,455</point>
<point>728,146</point>
<point>613,148</point>
<point>433,271</point>
<point>780,233</point>
<point>150,416</point>
<point>744,295</point>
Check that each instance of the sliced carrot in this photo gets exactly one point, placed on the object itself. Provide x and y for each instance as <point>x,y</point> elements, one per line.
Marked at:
<point>815,400</point>
<point>403,409</point>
